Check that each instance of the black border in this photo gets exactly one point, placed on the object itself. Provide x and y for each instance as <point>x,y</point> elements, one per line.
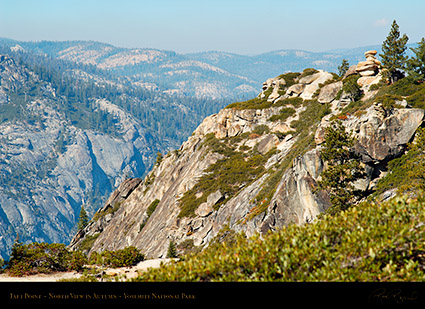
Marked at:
<point>212,293</point>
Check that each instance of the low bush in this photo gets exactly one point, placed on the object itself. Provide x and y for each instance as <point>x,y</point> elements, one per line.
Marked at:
<point>284,114</point>
<point>255,103</point>
<point>33,258</point>
<point>290,78</point>
<point>308,72</point>
<point>126,257</point>
<point>367,242</point>
<point>351,88</point>
<point>389,101</point>
<point>404,87</point>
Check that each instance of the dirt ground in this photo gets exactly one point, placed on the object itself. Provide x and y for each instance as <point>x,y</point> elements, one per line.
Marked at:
<point>123,273</point>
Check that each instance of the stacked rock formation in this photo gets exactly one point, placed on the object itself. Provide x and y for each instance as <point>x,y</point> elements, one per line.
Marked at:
<point>371,66</point>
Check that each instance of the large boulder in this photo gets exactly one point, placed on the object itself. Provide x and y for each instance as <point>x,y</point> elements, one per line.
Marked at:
<point>329,92</point>
<point>370,53</point>
<point>352,70</point>
<point>295,90</point>
<point>316,80</point>
<point>381,137</point>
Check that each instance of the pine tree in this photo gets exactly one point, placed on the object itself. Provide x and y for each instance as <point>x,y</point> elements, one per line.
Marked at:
<point>352,88</point>
<point>416,65</point>
<point>84,219</point>
<point>343,167</point>
<point>393,57</point>
<point>172,252</point>
<point>343,68</point>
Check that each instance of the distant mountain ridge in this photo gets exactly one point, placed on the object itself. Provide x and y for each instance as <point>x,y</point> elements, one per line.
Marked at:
<point>151,68</point>
<point>210,74</point>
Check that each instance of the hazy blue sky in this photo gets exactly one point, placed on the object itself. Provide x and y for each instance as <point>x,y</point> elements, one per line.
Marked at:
<point>240,26</point>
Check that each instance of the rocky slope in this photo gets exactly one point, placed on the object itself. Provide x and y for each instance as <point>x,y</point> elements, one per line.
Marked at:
<point>254,166</point>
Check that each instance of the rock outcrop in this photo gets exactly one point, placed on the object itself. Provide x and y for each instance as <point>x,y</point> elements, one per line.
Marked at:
<point>369,70</point>
<point>380,135</point>
<point>292,194</point>
<point>369,67</point>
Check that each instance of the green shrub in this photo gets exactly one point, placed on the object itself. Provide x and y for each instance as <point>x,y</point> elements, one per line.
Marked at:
<point>310,117</point>
<point>261,129</point>
<point>33,258</point>
<point>255,103</point>
<point>152,207</point>
<point>211,143</point>
<point>296,102</point>
<point>88,242</point>
<point>290,78</point>
<point>126,257</point>
<point>389,101</point>
<point>404,87</point>
<point>368,242</point>
<point>308,72</point>
<point>109,210</point>
<point>351,88</point>
<point>159,158</point>
<point>284,114</point>
<point>417,99</point>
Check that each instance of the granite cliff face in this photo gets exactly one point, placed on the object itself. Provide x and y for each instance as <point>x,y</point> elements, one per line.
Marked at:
<point>252,168</point>
<point>50,164</point>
